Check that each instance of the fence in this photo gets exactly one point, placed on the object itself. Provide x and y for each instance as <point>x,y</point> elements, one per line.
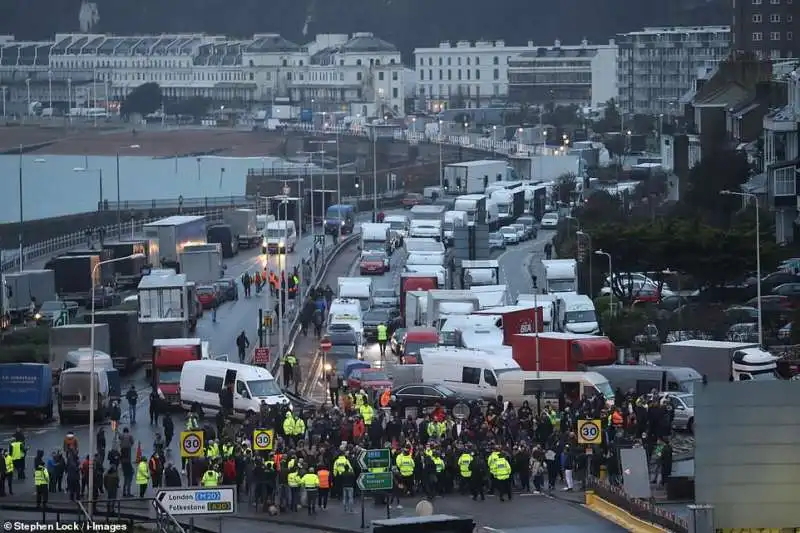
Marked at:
<point>641,509</point>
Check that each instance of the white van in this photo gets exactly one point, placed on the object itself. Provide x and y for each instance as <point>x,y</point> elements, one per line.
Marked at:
<point>360,289</point>
<point>279,237</point>
<point>202,381</point>
<point>575,313</point>
<point>545,301</point>
<point>473,373</point>
<point>82,358</point>
<point>74,398</point>
<point>398,224</point>
<point>347,311</point>
<point>516,387</point>
<point>263,220</point>
<point>452,221</point>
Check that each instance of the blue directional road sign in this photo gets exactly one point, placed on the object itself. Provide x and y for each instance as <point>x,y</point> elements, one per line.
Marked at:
<point>181,502</point>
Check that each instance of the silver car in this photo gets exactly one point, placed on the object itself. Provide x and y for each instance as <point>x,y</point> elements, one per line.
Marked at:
<point>549,220</point>
<point>510,235</point>
<point>522,231</point>
<point>683,406</point>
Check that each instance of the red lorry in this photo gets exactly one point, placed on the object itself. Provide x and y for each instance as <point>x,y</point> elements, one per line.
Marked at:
<point>516,319</point>
<point>562,352</point>
<point>168,358</point>
<point>413,281</point>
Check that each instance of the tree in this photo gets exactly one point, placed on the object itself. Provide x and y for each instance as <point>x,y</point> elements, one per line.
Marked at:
<point>611,121</point>
<point>144,99</point>
<point>715,172</point>
<point>196,106</point>
<point>565,186</point>
<point>624,326</point>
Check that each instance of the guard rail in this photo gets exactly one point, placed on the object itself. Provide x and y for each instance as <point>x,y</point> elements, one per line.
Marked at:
<point>466,140</point>
<point>52,247</point>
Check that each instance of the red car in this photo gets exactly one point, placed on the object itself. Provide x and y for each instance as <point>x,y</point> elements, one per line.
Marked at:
<point>373,263</point>
<point>412,199</point>
<point>207,294</point>
<point>369,378</point>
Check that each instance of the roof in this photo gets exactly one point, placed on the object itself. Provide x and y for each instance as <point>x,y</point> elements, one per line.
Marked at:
<point>366,42</point>
<point>271,44</point>
<point>729,94</point>
<point>176,220</point>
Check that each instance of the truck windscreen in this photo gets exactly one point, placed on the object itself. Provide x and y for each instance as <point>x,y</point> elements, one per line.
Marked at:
<point>580,317</point>
<point>561,285</point>
<point>169,377</point>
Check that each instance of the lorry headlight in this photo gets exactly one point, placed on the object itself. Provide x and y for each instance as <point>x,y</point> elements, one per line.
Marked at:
<point>37,316</point>
<point>328,367</point>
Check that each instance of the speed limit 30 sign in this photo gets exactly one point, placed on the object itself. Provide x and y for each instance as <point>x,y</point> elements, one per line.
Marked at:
<point>590,432</point>
<point>192,444</point>
<point>263,439</point>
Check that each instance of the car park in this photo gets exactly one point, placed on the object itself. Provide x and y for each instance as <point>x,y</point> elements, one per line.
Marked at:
<point>227,289</point>
<point>549,221</point>
<point>496,241</point>
<point>510,235</point>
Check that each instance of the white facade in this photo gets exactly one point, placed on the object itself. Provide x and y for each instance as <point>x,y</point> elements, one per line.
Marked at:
<point>656,66</point>
<point>334,72</point>
<point>464,75</point>
<point>583,75</point>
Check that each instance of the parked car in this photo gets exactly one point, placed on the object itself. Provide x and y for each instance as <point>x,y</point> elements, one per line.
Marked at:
<point>741,314</point>
<point>772,303</point>
<point>510,235</point>
<point>549,221</point>
<point>207,294</point>
<point>683,407</point>
<point>530,225</point>
<point>227,289</point>
<point>791,290</point>
<point>496,241</point>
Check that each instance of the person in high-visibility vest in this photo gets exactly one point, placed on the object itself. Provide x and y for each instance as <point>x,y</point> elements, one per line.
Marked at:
<point>383,336</point>
<point>340,465</point>
<point>294,481</point>
<point>310,482</point>
<point>17,451</point>
<point>324,476</point>
<point>367,413</point>
<point>8,468</point>
<point>142,476</point>
<point>41,480</point>
<point>465,470</point>
<point>406,465</point>
<point>502,477</point>
<point>210,478</point>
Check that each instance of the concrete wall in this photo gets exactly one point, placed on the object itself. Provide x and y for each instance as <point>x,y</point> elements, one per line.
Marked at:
<point>747,463</point>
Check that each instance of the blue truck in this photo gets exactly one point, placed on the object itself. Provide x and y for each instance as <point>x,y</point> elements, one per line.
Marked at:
<point>27,389</point>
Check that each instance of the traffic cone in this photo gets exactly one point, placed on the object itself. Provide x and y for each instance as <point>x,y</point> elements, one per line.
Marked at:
<point>139,452</point>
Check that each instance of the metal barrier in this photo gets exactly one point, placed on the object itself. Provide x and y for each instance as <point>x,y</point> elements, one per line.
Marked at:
<point>641,509</point>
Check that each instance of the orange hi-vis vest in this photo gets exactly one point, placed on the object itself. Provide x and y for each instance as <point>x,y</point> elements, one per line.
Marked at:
<point>324,479</point>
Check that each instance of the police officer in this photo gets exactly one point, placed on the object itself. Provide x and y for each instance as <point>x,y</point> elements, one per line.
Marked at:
<point>465,470</point>
<point>383,336</point>
<point>17,451</point>
<point>501,472</point>
<point>310,482</point>
<point>210,478</point>
<point>41,479</point>
<point>142,476</point>
<point>8,467</point>
<point>406,465</point>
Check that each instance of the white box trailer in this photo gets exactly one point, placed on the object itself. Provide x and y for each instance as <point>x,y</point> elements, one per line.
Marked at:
<point>202,266</point>
<point>442,303</point>
<point>472,177</point>
<point>21,288</point>
<point>168,236</point>
<point>244,224</point>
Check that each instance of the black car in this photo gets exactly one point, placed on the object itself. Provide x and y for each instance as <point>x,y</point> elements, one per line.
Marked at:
<point>371,320</point>
<point>227,289</point>
<point>341,351</point>
<point>344,341</point>
<point>424,396</point>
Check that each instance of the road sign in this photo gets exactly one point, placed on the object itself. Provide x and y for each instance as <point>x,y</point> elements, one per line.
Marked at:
<point>263,439</point>
<point>181,502</point>
<point>590,432</point>
<point>378,458</point>
<point>192,444</point>
<point>374,481</point>
<point>461,411</point>
<point>325,345</point>
<point>261,356</point>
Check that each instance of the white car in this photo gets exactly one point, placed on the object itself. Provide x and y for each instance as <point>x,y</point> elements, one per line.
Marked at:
<point>636,277</point>
<point>683,406</point>
<point>549,220</point>
<point>522,233</point>
<point>635,286</point>
<point>510,235</point>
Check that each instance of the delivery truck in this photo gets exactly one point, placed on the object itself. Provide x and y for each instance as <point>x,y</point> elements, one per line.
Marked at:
<point>561,352</point>
<point>128,272</point>
<point>244,225</point>
<point>412,281</point>
<point>202,266</point>
<point>720,360</point>
<point>123,329</point>
<point>167,237</point>
<point>75,276</point>
<point>169,355</point>
<point>26,389</point>
<point>22,288</point>
<point>471,177</point>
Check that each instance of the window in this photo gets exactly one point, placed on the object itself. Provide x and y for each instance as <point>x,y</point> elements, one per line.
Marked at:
<point>788,18</point>
<point>213,384</point>
<point>469,375</point>
<point>789,36</point>
<point>459,74</point>
<point>440,61</point>
<point>756,18</point>
<point>775,35</point>
<point>756,36</point>
<point>421,75</point>
<point>449,74</point>
<point>421,61</point>
<point>774,17</point>
<point>394,92</point>
<point>380,76</point>
<point>497,73</point>
<point>430,61</point>
<point>488,377</point>
<point>412,391</point>
<point>394,76</point>
<point>241,389</point>
<point>756,2</point>
<point>496,60</point>
<point>477,74</point>
<point>784,182</point>
<point>358,62</point>
<point>449,61</point>
<point>358,76</point>
<point>469,61</point>
<point>430,74</point>
<point>775,2</point>
<point>459,61</point>
<point>440,75</point>
<point>477,61</point>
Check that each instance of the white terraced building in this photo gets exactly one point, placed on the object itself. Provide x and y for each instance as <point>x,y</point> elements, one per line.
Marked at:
<point>359,74</point>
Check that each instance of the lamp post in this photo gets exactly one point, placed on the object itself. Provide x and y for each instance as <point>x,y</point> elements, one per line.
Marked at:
<point>92,392</point>
<point>119,199</point>
<point>580,233</point>
<point>610,273</point>
<point>750,196</point>
<point>441,159</point>
<point>281,263</point>
<point>21,213</point>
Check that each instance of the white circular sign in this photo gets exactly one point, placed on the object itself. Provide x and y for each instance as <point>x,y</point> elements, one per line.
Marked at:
<point>589,431</point>
<point>191,444</point>
<point>263,440</point>
<point>424,508</point>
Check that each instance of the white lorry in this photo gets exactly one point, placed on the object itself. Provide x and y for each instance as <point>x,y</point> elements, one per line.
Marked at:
<point>426,228</point>
<point>202,266</point>
<point>424,245</point>
<point>470,204</point>
<point>560,275</point>
<point>360,289</point>
<point>479,272</point>
<point>22,288</point>
<point>472,177</point>
<point>416,306</point>
<point>244,224</point>
<point>721,361</point>
<point>375,237</point>
<point>443,303</point>
<point>453,220</point>
<point>167,237</point>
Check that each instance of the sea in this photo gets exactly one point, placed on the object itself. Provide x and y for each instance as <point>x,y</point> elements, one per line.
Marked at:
<point>57,185</point>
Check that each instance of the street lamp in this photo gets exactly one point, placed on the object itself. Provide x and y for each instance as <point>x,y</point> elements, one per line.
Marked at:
<point>92,392</point>
<point>750,196</point>
<point>611,276</point>
<point>21,218</point>
<point>441,166</point>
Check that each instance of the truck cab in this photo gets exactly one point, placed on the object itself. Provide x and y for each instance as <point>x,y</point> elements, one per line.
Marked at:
<point>169,356</point>
<point>339,218</point>
<point>560,275</point>
<point>480,272</point>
